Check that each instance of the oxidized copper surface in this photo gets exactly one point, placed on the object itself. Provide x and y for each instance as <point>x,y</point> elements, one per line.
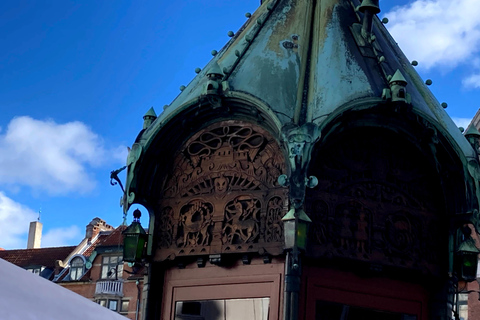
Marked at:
<point>378,200</point>
<point>223,195</point>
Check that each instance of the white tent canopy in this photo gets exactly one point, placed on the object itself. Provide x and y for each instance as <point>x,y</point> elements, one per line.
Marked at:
<point>26,296</point>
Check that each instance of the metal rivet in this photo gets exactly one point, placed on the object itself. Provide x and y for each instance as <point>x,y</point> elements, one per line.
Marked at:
<point>165,107</point>
<point>385,20</point>
<point>197,70</point>
<point>428,82</point>
<point>214,52</point>
<point>248,14</point>
<point>444,105</point>
<point>248,38</point>
<point>225,70</point>
<point>259,21</point>
<point>414,63</point>
<point>237,53</point>
<point>230,34</point>
<point>182,88</point>
<point>461,129</point>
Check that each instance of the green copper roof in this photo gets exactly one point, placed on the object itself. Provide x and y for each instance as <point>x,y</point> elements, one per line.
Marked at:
<point>304,76</point>
<point>307,62</point>
<point>472,130</point>
<point>398,77</point>
<point>150,113</point>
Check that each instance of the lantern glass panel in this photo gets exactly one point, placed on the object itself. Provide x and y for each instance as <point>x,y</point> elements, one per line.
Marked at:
<point>302,232</point>
<point>130,247</point>
<point>468,265</point>
<point>289,227</point>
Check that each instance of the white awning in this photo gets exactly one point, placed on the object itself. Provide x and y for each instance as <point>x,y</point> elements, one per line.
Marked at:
<point>27,296</point>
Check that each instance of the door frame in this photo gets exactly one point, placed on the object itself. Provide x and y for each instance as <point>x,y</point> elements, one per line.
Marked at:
<point>257,280</point>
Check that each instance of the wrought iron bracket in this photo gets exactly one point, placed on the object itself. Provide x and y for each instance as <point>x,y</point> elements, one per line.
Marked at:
<point>114,176</point>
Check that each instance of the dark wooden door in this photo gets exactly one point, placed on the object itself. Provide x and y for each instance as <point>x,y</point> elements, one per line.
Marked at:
<point>337,295</point>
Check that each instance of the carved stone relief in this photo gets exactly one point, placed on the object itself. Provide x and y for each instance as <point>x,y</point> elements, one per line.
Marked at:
<point>194,224</point>
<point>378,200</point>
<point>223,195</point>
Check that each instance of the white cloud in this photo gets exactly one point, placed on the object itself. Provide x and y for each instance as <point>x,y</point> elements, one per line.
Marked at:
<point>14,223</point>
<point>473,81</point>
<point>437,33</point>
<point>462,122</point>
<point>62,237</point>
<point>51,157</point>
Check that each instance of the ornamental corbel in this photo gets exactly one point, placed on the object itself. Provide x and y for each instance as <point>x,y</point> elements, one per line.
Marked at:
<point>300,141</point>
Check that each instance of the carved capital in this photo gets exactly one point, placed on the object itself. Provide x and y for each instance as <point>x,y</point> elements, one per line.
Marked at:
<point>300,141</point>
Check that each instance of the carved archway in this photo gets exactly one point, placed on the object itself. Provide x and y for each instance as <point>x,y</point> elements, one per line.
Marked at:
<point>222,195</point>
<point>379,200</point>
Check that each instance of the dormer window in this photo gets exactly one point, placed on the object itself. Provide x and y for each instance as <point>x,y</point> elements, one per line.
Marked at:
<point>77,268</point>
<point>36,270</point>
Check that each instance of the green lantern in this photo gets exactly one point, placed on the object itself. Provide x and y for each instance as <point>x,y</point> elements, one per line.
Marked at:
<point>295,225</point>
<point>134,240</point>
<point>467,260</point>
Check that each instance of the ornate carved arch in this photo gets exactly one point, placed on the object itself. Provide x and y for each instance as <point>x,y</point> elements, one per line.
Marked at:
<point>378,200</point>
<point>222,195</point>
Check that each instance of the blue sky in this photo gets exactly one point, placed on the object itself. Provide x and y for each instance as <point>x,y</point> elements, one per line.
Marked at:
<point>76,77</point>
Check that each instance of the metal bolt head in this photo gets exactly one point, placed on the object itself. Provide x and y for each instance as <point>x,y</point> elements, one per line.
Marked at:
<point>182,87</point>
<point>385,20</point>
<point>414,63</point>
<point>461,129</point>
<point>444,105</point>
<point>248,15</point>
<point>197,70</point>
<point>230,34</point>
<point>428,82</point>
<point>214,52</point>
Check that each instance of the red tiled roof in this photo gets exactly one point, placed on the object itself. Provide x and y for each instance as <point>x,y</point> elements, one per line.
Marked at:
<point>114,238</point>
<point>36,257</point>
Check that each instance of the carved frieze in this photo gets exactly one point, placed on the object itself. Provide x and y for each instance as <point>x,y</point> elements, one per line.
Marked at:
<point>242,221</point>
<point>223,195</point>
<point>378,200</point>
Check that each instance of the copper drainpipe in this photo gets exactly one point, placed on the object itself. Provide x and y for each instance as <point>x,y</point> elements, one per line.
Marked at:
<point>138,300</point>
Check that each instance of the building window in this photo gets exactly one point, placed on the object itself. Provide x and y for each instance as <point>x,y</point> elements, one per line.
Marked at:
<point>120,306</point>
<point>113,305</point>
<point>112,267</point>
<point>463,306</point>
<point>76,268</point>
<point>36,270</point>
<point>124,306</point>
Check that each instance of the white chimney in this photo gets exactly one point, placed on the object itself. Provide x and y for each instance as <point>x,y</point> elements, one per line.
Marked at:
<point>34,235</point>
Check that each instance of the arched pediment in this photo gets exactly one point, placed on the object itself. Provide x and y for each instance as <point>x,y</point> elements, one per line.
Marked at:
<point>379,200</point>
<point>222,195</point>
